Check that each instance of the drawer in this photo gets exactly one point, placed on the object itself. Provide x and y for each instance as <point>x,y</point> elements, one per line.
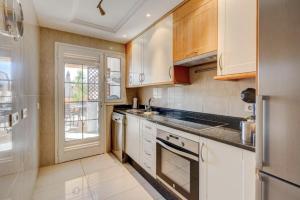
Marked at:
<point>149,127</point>
<point>148,152</point>
<point>148,166</point>
<point>147,137</point>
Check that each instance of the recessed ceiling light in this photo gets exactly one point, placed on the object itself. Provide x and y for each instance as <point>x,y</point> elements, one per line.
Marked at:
<point>124,36</point>
<point>148,15</point>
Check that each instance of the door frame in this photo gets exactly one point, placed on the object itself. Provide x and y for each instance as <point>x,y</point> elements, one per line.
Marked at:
<point>102,130</point>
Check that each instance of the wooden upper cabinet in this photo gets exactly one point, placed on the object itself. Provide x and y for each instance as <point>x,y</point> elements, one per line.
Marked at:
<point>195,29</point>
<point>237,38</point>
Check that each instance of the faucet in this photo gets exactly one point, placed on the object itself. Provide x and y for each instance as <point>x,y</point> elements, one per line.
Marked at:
<point>148,107</point>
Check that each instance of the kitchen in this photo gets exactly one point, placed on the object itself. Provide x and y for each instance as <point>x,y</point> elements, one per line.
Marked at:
<point>139,99</point>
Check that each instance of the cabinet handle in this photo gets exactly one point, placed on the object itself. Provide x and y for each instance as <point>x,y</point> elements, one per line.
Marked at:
<point>220,62</point>
<point>149,141</point>
<point>147,153</point>
<point>143,77</point>
<point>201,152</point>
<point>148,127</point>
<point>140,77</point>
<point>147,166</point>
<point>130,79</point>
<point>170,75</point>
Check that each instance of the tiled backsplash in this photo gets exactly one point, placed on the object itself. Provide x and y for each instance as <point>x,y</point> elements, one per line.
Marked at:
<point>204,95</point>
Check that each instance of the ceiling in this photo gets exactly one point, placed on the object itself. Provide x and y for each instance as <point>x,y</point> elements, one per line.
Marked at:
<point>124,19</point>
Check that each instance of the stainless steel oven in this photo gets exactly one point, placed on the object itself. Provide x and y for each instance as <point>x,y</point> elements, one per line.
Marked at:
<point>177,164</point>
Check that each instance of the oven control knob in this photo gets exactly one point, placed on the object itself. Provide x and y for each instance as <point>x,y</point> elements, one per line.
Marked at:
<point>182,144</point>
<point>168,138</point>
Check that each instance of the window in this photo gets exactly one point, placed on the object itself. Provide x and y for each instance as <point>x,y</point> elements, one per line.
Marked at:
<point>81,102</point>
<point>115,80</point>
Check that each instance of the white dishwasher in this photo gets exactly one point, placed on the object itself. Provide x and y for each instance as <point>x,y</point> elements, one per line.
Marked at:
<point>118,136</point>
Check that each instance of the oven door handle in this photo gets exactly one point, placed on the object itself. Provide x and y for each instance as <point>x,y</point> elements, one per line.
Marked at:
<point>187,155</point>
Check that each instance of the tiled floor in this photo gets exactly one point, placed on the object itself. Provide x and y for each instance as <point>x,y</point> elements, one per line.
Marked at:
<point>95,178</point>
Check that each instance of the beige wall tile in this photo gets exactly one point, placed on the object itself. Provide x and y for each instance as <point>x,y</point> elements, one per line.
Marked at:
<point>204,95</point>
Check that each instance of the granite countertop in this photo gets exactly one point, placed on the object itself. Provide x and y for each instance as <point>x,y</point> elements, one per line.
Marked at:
<point>220,134</point>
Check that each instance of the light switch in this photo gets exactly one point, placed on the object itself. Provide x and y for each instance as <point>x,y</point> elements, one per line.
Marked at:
<point>24,113</point>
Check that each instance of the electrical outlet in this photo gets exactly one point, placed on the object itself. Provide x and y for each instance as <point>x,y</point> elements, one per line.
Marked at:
<point>249,107</point>
<point>13,119</point>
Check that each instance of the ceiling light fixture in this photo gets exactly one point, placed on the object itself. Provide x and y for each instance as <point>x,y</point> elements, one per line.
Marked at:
<point>124,36</point>
<point>102,12</point>
<point>148,15</point>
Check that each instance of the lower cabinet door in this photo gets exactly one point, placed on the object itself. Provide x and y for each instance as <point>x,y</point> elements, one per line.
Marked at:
<point>132,142</point>
<point>224,171</point>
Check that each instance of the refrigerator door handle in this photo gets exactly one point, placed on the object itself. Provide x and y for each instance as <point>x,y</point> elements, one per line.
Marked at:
<point>261,138</point>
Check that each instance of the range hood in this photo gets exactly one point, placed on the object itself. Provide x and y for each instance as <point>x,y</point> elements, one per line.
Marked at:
<point>198,60</point>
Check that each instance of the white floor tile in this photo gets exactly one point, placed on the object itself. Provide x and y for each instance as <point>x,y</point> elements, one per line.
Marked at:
<point>59,173</point>
<point>72,189</point>
<point>112,187</point>
<point>94,178</point>
<point>106,174</point>
<point>97,163</point>
<point>137,193</point>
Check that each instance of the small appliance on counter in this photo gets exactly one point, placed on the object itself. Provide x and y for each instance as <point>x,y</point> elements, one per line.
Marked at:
<point>248,127</point>
<point>135,103</point>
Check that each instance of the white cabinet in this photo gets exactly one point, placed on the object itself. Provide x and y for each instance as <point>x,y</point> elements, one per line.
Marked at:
<point>249,164</point>
<point>132,141</point>
<point>236,36</point>
<point>151,58</point>
<point>148,147</point>
<point>140,142</point>
<point>157,52</point>
<point>226,172</point>
<point>135,70</point>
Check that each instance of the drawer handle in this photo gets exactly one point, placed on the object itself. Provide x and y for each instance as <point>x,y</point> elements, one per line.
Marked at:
<point>147,153</point>
<point>147,166</point>
<point>149,141</point>
<point>148,127</point>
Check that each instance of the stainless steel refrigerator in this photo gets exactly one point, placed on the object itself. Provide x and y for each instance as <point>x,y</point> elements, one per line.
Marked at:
<point>278,103</point>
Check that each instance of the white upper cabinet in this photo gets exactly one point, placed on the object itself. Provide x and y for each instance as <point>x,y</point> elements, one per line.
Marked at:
<point>236,36</point>
<point>135,69</point>
<point>151,55</point>
<point>158,52</point>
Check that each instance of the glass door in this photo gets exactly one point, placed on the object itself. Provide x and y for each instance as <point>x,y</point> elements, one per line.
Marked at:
<point>81,103</point>
<point>80,108</point>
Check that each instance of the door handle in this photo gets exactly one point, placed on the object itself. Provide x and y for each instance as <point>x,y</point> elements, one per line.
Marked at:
<point>143,77</point>
<point>140,77</point>
<point>170,69</point>
<point>220,62</point>
<point>201,152</point>
<point>261,158</point>
<point>181,153</point>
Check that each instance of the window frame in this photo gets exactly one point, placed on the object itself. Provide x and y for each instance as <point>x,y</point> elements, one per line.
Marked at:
<point>123,79</point>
